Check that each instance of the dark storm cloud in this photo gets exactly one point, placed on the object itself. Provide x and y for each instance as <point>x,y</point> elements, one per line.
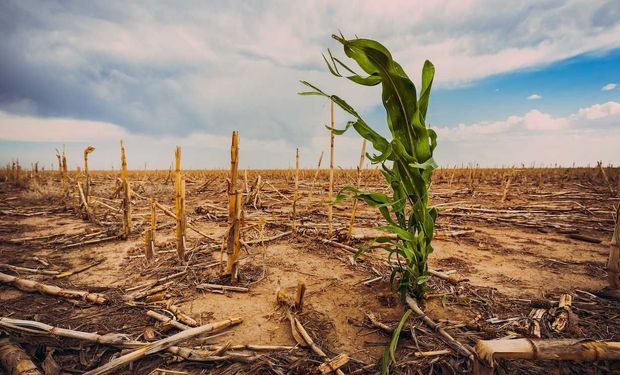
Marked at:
<point>45,76</point>
<point>170,68</point>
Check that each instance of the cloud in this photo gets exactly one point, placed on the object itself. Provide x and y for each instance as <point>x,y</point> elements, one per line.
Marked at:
<point>535,121</point>
<point>200,149</point>
<point>587,135</point>
<point>584,147</point>
<point>609,87</point>
<point>147,71</point>
<point>156,68</point>
<point>534,97</point>
<point>34,129</point>
<point>598,111</point>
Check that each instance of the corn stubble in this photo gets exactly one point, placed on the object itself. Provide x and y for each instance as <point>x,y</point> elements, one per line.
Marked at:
<point>406,162</point>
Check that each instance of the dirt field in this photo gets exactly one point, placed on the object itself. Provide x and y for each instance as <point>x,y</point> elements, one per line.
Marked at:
<point>512,246</point>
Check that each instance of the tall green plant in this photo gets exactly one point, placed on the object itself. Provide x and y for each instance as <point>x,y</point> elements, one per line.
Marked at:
<point>406,160</point>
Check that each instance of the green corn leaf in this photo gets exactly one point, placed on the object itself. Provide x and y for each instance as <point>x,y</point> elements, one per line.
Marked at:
<point>433,137</point>
<point>376,159</point>
<point>343,65</point>
<point>309,93</point>
<point>384,240</point>
<point>422,279</point>
<point>399,93</point>
<point>428,164</point>
<point>401,233</point>
<point>340,131</point>
<point>401,151</point>
<point>366,81</point>
<point>361,251</point>
<point>389,356</point>
<point>332,69</point>
<point>428,73</point>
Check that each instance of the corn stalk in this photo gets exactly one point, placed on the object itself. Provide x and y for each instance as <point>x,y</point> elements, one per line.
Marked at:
<point>65,175</point>
<point>87,151</point>
<point>406,160</point>
<point>126,194</point>
<point>181,220</point>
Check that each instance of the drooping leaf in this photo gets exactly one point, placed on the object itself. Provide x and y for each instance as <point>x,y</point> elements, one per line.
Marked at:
<point>401,233</point>
<point>428,164</point>
<point>389,355</point>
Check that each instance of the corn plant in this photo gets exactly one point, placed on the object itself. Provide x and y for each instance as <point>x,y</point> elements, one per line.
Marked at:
<point>406,160</point>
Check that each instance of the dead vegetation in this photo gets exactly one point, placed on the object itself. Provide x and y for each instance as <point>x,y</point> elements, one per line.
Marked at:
<point>520,267</point>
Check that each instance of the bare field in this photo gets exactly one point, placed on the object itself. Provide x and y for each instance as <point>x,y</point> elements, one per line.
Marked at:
<point>511,240</point>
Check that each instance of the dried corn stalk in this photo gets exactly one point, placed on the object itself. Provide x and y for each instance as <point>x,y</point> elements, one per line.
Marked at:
<point>15,360</point>
<point>59,157</point>
<point>181,316</point>
<point>613,265</point>
<point>126,195</point>
<point>181,219</point>
<point>149,233</point>
<point>83,202</point>
<point>160,345</point>
<point>295,194</point>
<point>233,243</point>
<point>65,175</point>
<point>87,151</point>
<point>35,286</point>
<point>149,248</point>
<point>533,349</point>
<point>299,294</point>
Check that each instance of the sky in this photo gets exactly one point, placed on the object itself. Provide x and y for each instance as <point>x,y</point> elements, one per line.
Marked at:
<point>527,82</point>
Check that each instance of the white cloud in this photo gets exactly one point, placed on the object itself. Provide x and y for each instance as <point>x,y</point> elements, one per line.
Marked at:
<point>609,87</point>
<point>537,120</point>
<point>585,136</point>
<point>35,129</point>
<point>200,149</point>
<point>598,111</point>
<point>534,120</point>
<point>581,147</point>
<point>534,97</point>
